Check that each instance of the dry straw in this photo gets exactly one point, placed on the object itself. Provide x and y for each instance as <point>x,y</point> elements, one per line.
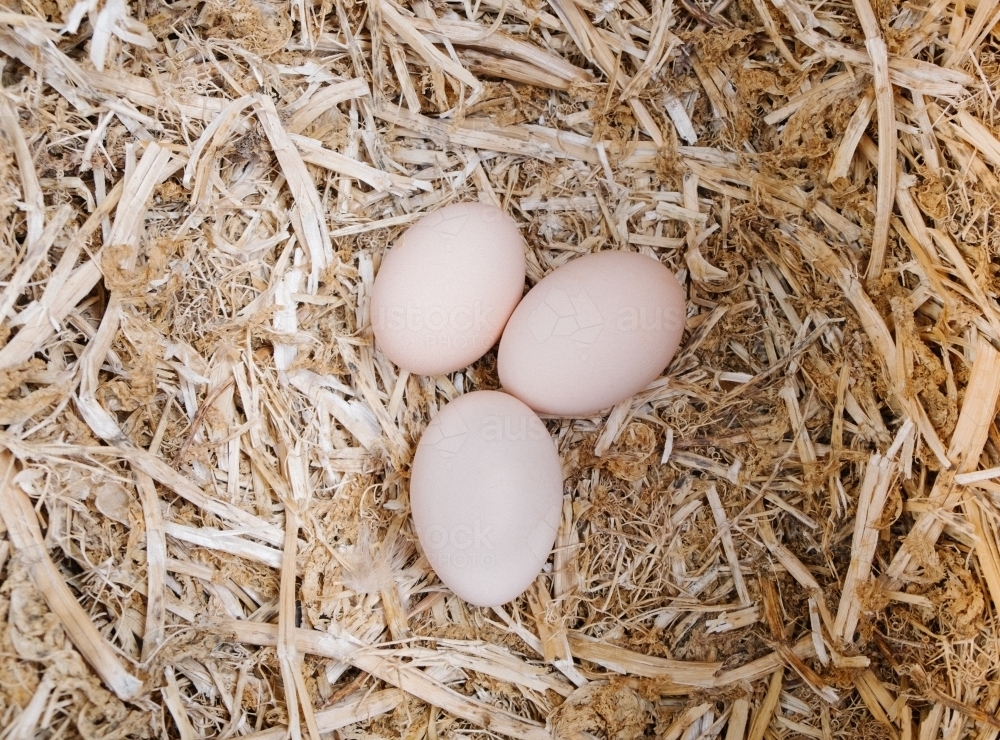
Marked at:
<point>204,525</point>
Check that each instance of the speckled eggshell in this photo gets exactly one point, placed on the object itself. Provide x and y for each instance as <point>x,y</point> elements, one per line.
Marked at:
<point>591,333</point>
<point>445,290</point>
<point>486,496</point>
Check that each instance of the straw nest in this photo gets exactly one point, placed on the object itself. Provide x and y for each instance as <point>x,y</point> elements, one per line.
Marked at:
<point>204,462</point>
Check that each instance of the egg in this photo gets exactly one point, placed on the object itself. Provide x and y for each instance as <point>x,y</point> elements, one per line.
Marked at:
<point>591,333</point>
<point>445,290</point>
<point>486,496</point>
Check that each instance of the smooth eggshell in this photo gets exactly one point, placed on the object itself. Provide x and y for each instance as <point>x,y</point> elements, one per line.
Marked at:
<point>445,291</point>
<point>486,496</point>
<point>592,333</point>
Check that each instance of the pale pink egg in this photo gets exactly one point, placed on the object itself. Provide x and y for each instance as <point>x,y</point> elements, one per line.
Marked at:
<point>445,290</point>
<point>592,333</point>
<point>486,496</point>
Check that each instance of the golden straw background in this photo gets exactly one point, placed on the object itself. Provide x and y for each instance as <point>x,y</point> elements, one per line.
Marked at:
<point>204,462</point>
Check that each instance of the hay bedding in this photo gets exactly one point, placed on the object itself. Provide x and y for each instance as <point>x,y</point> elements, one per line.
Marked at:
<point>203,462</point>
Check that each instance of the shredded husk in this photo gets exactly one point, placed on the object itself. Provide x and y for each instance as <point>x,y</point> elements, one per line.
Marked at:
<point>204,522</point>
